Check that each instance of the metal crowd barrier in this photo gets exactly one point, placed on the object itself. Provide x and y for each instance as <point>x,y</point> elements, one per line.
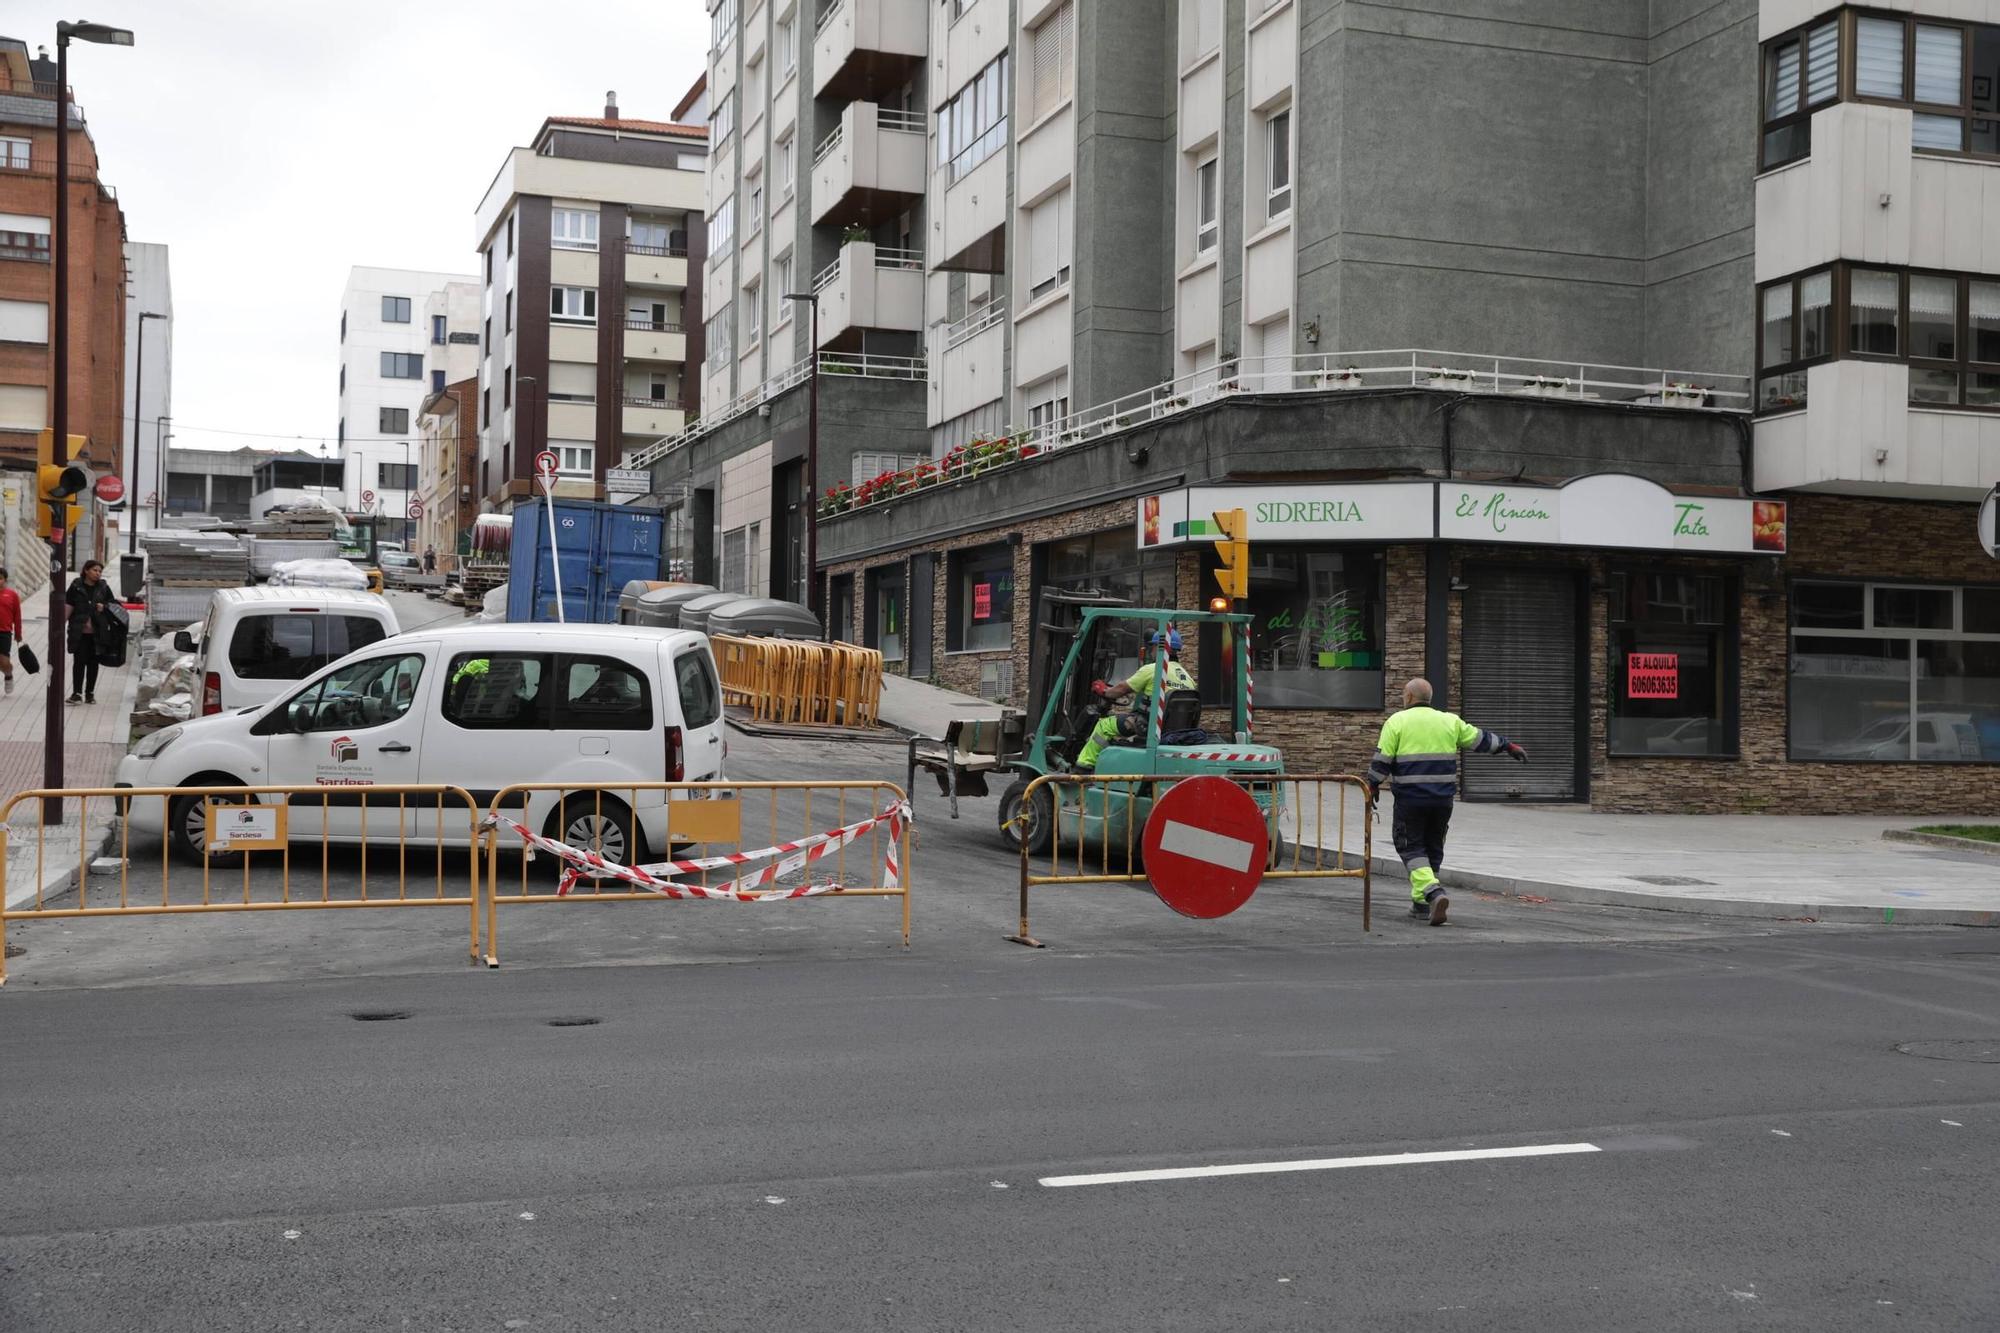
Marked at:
<point>247,862</point>
<point>755,841</point>
<point>1298,830</point>
<point>800,682</point>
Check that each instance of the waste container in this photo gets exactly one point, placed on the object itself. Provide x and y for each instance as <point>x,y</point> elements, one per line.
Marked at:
<point>661,608</point>
<point>694,614</point>
<point>764,616</point>
<point>131,577</point>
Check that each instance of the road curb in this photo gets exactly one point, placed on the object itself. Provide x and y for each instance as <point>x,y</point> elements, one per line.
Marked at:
<point>1851,913</point>
<point>1944,840</point>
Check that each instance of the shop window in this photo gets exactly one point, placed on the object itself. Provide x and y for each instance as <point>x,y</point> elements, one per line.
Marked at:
<point>840,609</point>
<point>1110,563</point>
<point>886,591</point>
<point>1673,647</point>
<point>982,600</point>
<point>1317,627</point>
<point>1895,673</point>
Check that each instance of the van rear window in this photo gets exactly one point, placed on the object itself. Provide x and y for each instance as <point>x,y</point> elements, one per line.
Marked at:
<point>292,646</point>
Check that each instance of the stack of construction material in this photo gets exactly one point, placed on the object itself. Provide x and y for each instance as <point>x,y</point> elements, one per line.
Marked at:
<point>268,553</point>
<point>183,570</point>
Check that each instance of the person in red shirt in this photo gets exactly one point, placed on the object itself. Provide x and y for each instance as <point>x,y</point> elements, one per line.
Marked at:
<point>10,627</point>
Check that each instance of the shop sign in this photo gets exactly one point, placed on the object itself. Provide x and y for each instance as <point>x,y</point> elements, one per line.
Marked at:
<point>1335,512</point>
<point>627,481</point>
<point>1612,511</point>
<point>982,601</point>
<point>1989,523</point>
<point>1652,675</point>
<point>245,828</point>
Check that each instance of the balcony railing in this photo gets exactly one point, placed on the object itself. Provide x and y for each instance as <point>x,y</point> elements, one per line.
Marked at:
<point>827,145</point>
<point>885,257</point>
<point>907,368</point>
<point>653,326</point>
<point>976,323</point>
<point>1321,372</point>
<point>663,251</point>
<point>902,122</point>
<point>826,15</point>
<point>661,404</point>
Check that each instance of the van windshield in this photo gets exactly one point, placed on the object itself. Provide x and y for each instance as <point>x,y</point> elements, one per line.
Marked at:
<point>292,647</point>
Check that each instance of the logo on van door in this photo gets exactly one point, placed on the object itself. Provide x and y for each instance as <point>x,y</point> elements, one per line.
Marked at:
<point>345,750</point>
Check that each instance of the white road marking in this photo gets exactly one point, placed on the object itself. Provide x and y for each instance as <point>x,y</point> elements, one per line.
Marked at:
<point>1955,1124</point>
<point>1320,1164</point>
<point>1781,1133</point>
<point>1200,844</point>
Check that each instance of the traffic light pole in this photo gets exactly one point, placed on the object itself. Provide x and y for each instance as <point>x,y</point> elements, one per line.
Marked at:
<point>52,724</point>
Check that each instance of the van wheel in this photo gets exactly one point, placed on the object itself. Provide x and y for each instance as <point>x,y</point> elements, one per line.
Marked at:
<point>1031,824</point>
<point>603,826</point>
<point>187,828</point>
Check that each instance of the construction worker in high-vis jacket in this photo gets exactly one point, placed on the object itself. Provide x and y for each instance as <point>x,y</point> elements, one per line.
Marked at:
<point>1139,688</point>
<point>1417,759</point>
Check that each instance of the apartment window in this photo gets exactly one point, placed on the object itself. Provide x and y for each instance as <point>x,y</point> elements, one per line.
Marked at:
<point>1207,228</point>
<point>1946,326</point>
<point>573,228</point>
<point>1895,673</point>
<point>1048,412</point>
<point>488,253</point>
<point>1673,645</point>
<point>781,287</point>
<point>510,312</point>
<point>574,458</point>
<point>437,330</point>
<point>1051,45</point>
<point>24,322</point>
<point>753,327</point>
<point>722,228</point>
<point>396,476</point>
<point>572,382</point>
<point>395,310</point>
<point>973,125</point>
<point>722,121</point>
<point>343,326</point>
<point>1201,29</point>
<point>437,381</point>
<point>753,91</point>
<point>719,330</point>
<point>1278,164</point>
<point>507,389</point>
<point>785,38</point>
<point>981,588</point>
<point>392,421</point>
<point>573,305</point>
<point>510,236</point>
<point>402,366</point>
<point>788,165</point>
<point>486,407</point>
<point>722,25</point>
<point>14,153</point>
<point>1801,74</point>
<point>754,224</point>
<point>1048,233</point>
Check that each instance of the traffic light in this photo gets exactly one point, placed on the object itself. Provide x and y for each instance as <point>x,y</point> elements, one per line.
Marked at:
<point>1234,553</point>
<point>58,484</point>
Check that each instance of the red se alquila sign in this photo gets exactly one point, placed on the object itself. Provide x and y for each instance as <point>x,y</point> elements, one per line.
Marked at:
<point>1653,676</point>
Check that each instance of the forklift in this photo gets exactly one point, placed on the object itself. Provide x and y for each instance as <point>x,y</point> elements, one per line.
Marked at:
<point>1083,638</point>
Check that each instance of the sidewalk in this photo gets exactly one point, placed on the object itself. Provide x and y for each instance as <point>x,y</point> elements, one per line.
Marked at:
<point>94,737</point>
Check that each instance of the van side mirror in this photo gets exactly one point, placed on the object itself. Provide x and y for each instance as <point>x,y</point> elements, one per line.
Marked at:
<point>183,641</point>
<point>300,716</point>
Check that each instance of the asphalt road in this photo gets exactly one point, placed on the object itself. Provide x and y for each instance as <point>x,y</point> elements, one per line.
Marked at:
<point>781,1119</point>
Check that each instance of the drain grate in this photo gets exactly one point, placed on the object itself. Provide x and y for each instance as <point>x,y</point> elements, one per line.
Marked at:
<point>1978,1050</point>
<point>574,1022</point>
<point>1671,881</point>
<point>379,1015</point>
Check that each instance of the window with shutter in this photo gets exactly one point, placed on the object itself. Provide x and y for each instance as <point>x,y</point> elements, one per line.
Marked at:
<point>1878,57</point>
<point>1051,44</point>
<point>1048,233</point>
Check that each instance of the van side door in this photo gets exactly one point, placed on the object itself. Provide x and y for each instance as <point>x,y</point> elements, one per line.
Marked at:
<point>355,728</point>
<point>700,697</point>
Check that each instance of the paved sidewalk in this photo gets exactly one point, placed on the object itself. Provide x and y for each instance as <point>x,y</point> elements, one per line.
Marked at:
<point>94,741</point>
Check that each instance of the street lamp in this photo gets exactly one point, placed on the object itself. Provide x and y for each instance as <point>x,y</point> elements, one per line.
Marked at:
<point>52,723</point>
<point>138,415</point>
<point>812,462</point>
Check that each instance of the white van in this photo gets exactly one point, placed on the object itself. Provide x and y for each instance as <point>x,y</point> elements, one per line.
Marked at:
<point>475,706</point>
<point>260,642</point>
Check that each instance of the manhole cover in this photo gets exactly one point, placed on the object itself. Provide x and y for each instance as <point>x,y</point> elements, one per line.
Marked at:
<point>1978,1051</point>
<point>574,1022</point>
<point>1670,881</point>
<point>379,1015</point>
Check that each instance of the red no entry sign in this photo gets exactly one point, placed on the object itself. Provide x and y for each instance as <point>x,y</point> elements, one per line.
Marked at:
<point>1205,847</point>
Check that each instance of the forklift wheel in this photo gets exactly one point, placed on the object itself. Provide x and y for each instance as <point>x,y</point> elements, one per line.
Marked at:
<point>1032,825</point>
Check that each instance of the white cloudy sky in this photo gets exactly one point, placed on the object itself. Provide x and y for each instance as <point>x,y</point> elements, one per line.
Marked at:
<point>273,144</point>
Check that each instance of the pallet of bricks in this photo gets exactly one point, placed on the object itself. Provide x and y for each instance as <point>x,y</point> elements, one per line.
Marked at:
<point>184,569</point>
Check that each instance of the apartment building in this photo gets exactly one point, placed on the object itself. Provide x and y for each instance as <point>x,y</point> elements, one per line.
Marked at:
<point>589,315</point>
<point>97,271</point>
<point>396,348</point>
<point>1633,374</point>
<point>446,493</point>
<point>149,379</point>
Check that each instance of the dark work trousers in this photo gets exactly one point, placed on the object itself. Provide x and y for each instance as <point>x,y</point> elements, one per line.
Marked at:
<point>1419,832</point>
<point>83,667</point>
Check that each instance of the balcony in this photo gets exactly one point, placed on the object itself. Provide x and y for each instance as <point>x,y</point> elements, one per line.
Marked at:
<point>646,340</point>
<point>866,47</point>
<point>869,287</point>
<point>970,356</point>
<point>1854,431</point>
<point>870,168</point>
<point>655,265</point>
<point>652,417</point>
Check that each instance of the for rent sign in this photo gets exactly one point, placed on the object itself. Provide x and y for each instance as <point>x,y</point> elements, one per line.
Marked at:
<point>1653,675</point>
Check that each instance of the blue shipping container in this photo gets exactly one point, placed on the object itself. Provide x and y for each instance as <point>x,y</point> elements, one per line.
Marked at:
<point>602,547</point>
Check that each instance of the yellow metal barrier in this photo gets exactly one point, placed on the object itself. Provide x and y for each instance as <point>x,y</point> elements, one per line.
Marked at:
<point>749,826</point>
<point>1297,829</point>
<point>237,826</point>
<point>798,682</point>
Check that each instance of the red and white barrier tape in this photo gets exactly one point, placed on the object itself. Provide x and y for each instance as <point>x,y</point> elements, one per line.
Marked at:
<point>579,862</point>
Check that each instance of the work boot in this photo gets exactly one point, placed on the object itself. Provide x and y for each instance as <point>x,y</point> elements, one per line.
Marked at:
<point>1440,905</point>
<point>1420,909</point>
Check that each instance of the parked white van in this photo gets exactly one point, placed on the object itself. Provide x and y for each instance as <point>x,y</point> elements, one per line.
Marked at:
<point>474,706</point>
<point>260,642</point>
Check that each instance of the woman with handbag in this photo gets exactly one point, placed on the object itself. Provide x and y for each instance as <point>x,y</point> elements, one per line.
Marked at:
<point>10,629</point>
<point>87,599</point>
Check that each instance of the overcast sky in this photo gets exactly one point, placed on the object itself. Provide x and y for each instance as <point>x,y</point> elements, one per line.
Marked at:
<point>274,144</point>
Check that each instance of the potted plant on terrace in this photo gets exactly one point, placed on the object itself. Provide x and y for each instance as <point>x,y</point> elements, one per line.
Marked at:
<point>1683,393</point>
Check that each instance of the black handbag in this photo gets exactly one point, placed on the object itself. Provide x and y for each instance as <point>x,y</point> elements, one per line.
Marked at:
<point>29,662</point>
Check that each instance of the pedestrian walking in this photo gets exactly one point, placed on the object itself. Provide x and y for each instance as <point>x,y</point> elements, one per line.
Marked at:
<point>10,627</point>
<point>88,600</point>
<point>430,559</point>
<point>1417,759</point>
